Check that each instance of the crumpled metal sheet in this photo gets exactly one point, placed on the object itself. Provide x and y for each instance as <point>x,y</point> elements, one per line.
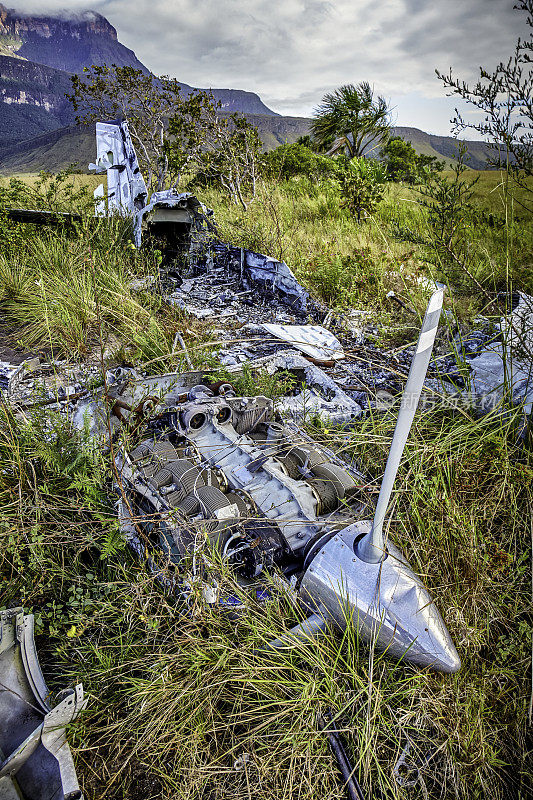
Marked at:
<point>115,155</point>
<point>320,395</point>
<point>313,340</point>
<point>129,387</point>
<point>275,276</point>
<point>170,198</point>
<point>506,368</point>
<point>35,759</point>
<point>126,190</point>
<point>519,326</point>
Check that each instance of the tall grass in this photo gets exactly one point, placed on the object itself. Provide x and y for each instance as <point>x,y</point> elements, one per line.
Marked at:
<point>185,702</point>
<point>178,697</point>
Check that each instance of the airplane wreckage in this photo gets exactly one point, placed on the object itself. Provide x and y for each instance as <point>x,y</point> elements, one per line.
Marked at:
<point>202,468</point>
<point>213,465</point>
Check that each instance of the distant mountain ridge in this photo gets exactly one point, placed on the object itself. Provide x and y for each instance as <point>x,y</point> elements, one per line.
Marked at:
<point>76,145</point>
<point>38,54</point>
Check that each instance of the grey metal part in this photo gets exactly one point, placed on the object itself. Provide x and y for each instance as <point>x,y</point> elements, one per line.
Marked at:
<point>312,626</point>
<point>506,367</point>
<point>321,395</point>
<point>276,276</point>
<point>249,467</point>
<point>127,194</point>
<point>385,601</point>
<point>171,206</point>
<point>262,468</point>
<point>314,340</point>
<point>115,155</point>
<point>35,759</point>
<point>502,370</point>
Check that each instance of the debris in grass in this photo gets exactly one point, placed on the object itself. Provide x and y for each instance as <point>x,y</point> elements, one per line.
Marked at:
<point>35,759</point>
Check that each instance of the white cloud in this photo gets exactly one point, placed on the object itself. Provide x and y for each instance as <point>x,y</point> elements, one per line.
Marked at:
<point>292,51</point>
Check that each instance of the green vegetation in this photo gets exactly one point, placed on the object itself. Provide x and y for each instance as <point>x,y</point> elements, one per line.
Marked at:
<point>291,160</point>
<point>175,700</point>
<point>402,162</point>
<point>362,185</point>
<point>175,134</point>
<point>352,120</point>
<point>502,101</point>
<point>185,703</point>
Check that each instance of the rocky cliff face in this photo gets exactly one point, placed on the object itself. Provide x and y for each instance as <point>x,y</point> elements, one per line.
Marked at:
<point>66,42</point>
<point>37,55</point>
<point>32,100</point>
<point>14,23</point>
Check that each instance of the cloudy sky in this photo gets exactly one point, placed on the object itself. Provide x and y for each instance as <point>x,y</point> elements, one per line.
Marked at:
<point>293,51</point>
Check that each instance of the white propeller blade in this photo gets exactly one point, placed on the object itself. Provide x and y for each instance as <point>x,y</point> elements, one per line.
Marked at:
<point>371,548</point>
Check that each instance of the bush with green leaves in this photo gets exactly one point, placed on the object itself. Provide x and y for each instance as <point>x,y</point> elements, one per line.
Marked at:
<point>403,163</point>
<point>362,184</point>
<point>291,160</point>
<point>50,192</point>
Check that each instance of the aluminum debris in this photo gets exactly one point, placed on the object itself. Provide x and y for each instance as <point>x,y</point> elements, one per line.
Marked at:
<point>35,759</point>
<point>115,155</point>
<point>276,277</point>
<point>127,194</point>
<point>317,393</point>
<point>313,340</point>
<point>206,468</point>
<point>498,362</point>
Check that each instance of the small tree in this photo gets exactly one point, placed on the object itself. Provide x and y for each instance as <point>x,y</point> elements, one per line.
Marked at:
<point>351,120</point>
<point>449,214</point>
<point>235,158</point>
<point>504,96</point>
<point>399,158</point>
<point>362,183</point>
<point>230,154</point>
<point>402,162</point>
<point>146,102</point>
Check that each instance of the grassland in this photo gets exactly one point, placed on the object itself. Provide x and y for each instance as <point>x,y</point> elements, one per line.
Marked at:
<point>176,700</point>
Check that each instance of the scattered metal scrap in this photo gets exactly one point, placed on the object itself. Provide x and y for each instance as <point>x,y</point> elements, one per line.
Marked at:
<point>505,366</point>
<point>313,340</point>
<point>205,466</point>
<point>315,393</point>
<point>35,759</point>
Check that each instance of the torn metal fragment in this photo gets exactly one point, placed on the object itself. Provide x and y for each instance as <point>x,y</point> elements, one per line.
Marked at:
<point>275,276</point>
<point>35,759</point>
<point>115,155</point>
<point>313,340</point>
<point>170,214</point>
<point>500,370</point>
<point>315,393</point>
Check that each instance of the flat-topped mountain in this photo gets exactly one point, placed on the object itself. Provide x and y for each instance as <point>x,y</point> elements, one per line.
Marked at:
<point>63,42</point>
<point>38,54</point>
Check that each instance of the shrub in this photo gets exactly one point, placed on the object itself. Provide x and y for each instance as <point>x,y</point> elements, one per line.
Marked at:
<point>402,163</point>
<point>362,183</point>
<point>341,280</point>
<point>289,160</point>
